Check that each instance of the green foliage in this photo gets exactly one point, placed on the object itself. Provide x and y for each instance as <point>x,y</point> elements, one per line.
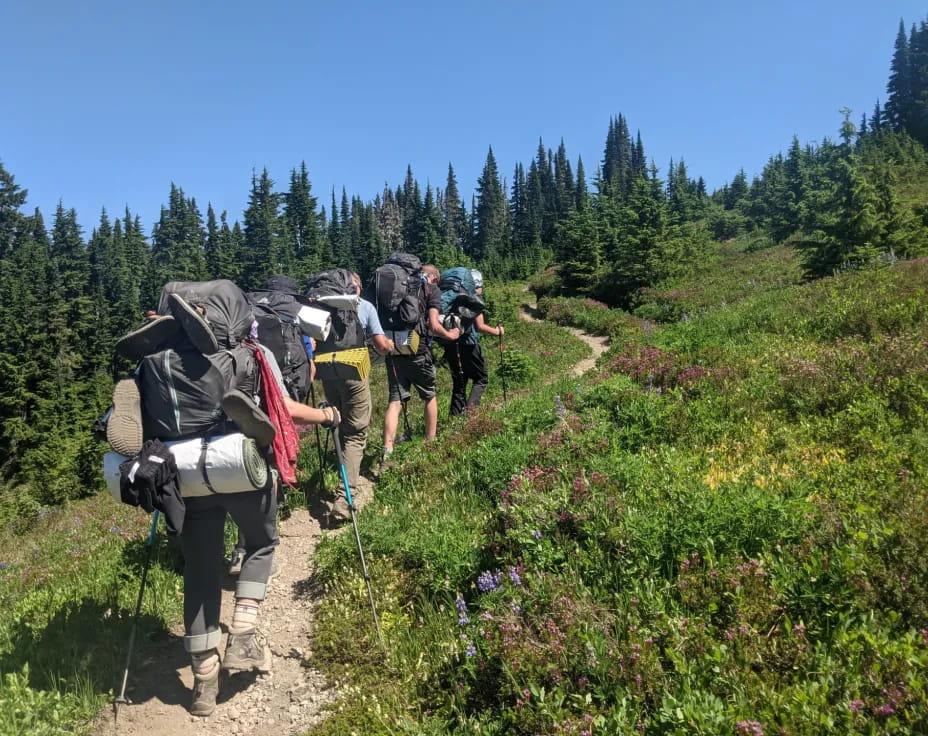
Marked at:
<point>721,531</point>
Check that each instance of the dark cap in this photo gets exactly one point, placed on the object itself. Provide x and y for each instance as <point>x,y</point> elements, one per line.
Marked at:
<point>286,284</point>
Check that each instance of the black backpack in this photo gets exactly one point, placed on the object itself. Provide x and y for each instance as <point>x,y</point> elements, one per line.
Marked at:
<point>279,331</point>
<point>396,290</point>
<point>347,331</point>
<point>182,389</point>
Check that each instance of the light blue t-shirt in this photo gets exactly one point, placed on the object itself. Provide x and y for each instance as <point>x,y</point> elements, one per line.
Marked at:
<point>367,316</point>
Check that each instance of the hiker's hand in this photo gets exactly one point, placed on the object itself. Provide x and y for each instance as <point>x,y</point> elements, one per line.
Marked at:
<point>454,334</point>
<point>392,346</point>
<point>501,330</point>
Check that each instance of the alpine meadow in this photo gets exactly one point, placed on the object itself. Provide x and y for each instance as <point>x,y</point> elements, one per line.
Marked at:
<point>719,528</point>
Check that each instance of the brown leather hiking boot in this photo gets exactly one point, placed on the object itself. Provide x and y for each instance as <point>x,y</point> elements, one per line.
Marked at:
<point>205,692</point>
<point>247,650</point>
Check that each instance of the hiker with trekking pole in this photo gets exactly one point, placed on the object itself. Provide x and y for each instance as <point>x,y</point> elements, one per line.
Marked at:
<point>409,306</point>
<point>343,364</point>
<point>202,429</point>
<point>462,295</point>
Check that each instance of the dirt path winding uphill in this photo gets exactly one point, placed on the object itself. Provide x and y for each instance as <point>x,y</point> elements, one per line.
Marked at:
<point>598,343</point>
<point>293,696</point>
<point>287,701</point>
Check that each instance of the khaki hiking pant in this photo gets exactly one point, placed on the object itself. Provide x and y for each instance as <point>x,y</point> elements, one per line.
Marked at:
<point>353,401</point>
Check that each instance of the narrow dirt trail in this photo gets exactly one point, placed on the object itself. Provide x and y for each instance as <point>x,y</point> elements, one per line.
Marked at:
<point>293,696</point>
<point>598,343</point>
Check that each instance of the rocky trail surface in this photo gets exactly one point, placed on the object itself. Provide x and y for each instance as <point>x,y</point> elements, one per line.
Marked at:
<point>293,696</point>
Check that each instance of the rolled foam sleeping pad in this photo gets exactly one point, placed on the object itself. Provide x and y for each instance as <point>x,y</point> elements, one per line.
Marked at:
<point>233,463</point>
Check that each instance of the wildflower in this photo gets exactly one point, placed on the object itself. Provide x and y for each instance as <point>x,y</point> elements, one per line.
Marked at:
<point>884,710</point>
<point>559,407</point>
<point>514,576</point>
<point>488,581</point>
<point>516,608</point>
<point>855,706</point>
<point>582,682</point>
<point>799,629</point>
<point>463,619</point>
<point>460,604</point>
<point>471,651</point>
<point>751,728</point>
<point>115,529</point>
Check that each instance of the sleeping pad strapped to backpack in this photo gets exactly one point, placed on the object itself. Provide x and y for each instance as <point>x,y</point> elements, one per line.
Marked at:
<point>279,331</point>
<point>347,331</point>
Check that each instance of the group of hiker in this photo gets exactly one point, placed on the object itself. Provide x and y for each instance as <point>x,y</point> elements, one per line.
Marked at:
<point>207,425</point>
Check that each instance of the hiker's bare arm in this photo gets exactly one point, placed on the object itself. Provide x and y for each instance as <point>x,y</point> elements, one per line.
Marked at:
<point>382,345</point>
<point>303,414</point>
<point>484,329</point>
<point>438,330</point>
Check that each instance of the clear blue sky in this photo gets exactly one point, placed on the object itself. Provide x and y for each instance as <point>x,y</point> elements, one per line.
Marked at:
<point>106,102</point>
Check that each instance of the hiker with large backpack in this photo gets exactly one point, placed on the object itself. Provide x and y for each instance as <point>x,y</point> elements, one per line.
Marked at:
<point>191,409</point>
<point>462,296</point>
<point>409,306</point>
<point>345,388</point>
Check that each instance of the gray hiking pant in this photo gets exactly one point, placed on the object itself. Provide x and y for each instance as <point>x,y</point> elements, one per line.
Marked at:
<point>202,541</point>
<point>353,401</point>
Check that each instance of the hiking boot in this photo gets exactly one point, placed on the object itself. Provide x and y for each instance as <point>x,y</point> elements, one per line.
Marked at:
<point>247,651</point>
<point>253,422</point>
<point>340,510</point>
<point>156,334</point>
<point>124,427</point>
<point>236,560</point>
<point>205,691</point>
<point>193,321</point>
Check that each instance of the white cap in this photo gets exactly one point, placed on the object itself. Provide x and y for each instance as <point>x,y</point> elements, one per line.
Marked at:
<point>477,277</point>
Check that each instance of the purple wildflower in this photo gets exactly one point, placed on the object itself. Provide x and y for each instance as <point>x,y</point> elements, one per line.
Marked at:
<point>514,576</point>
<point>536,533</point>
<point>559,407</point>
<point>471,651</point>
<point>463,619</point>
<point>884,710</point>
<point>751,728</point>
<point>488,581</point>
<point>460,604</point>
<point>855,706</point>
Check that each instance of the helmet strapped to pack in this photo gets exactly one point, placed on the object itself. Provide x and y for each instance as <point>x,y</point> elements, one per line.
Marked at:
<point>396,291</point>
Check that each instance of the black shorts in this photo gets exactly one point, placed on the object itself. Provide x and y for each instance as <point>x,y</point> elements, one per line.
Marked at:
<point>404,371</point>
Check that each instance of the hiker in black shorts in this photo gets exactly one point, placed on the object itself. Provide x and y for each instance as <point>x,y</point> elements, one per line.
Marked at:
<point>406,371</point>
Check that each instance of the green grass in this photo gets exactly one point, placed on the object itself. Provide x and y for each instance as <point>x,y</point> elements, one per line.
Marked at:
<point>68,583</point>
<point>721,531</point>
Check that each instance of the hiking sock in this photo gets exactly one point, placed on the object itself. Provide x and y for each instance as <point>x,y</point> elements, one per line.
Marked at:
<point>204,663</point>
<point>244,618</point>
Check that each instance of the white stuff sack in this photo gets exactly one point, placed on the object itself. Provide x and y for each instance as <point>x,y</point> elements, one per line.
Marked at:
<point>348,302</point>
<point>315,322</point>
<point>233,465</point>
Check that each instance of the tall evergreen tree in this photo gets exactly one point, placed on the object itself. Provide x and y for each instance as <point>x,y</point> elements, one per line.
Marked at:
<point>491,235</point>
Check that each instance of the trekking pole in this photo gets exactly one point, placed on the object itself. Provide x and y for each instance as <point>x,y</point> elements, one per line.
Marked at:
<point>502,371</point>
<point>396,380</point>
<point>121,698</point>
<point>312,396</point>
<point>354,522</point>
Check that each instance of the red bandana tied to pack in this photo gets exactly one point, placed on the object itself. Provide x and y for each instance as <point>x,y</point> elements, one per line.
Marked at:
<point>286,444</point>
